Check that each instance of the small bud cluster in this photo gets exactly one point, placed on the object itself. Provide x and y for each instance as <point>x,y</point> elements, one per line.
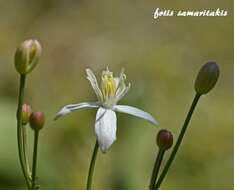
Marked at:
<point>26,58</point>
<point>35,119</point>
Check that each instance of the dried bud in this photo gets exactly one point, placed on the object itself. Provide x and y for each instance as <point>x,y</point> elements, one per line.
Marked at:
<point>27,56</point>
<point>37,120</point>
<point>164,139</point>
<point>26,112</point>
<point>207,78</point>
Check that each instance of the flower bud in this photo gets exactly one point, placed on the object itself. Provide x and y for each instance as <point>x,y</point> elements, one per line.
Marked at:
<point>164,139</point>
<point>27,56</point>
<point>37,120</point>
<point>207,78</point>
<point>26,112</point>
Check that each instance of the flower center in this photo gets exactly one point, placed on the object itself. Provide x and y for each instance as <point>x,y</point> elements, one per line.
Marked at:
<point>108,85</point>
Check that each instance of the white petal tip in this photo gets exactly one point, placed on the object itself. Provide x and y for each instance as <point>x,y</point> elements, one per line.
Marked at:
<point>155,122</point>
<point>88,71</point>
<point>61,113</point>
<point>105,148</point>
<point>151,119</point>
<point>57,116</point>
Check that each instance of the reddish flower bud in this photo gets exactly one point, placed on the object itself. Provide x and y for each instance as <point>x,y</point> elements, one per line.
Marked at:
<point>37,120</point>
<point>207,78</point>
<point>26,112</point>
<point>164,139</point>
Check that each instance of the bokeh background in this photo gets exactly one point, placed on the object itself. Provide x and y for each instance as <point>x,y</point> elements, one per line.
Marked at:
<point>161,59</point>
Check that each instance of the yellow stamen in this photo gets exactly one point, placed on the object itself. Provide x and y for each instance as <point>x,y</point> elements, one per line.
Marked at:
<point>108,84</point>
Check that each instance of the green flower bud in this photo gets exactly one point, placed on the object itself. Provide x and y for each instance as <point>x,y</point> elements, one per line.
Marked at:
<point>37,120</point>
<point>27,56</point>
<point>207,78</point>
<point>164,139</point>
<point>26,112</point>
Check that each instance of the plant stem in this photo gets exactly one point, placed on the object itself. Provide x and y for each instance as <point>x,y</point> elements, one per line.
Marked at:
<point>91,167</point>
<point>178,142</point>
<point>157,165</point>
<point>25,149</point>
<point>34,164</point>
<point>19,129</point>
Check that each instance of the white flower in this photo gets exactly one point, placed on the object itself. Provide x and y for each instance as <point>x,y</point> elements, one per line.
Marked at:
<point>111,91</point>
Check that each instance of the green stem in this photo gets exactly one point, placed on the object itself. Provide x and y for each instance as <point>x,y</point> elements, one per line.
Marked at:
<point>25,149</point>
<point>91,167</point>
<point>34,164</point>
<point>157,165</point>
<point>19,129</point>
<point>179,140</point>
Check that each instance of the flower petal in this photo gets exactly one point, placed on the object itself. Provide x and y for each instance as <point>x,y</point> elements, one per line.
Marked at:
<point>123,92</point>
<point>105,128</point>
<point>93,81</point>
<point>136,112</point>
<point>120,80</point>
<point>122,89</point>
<point>73,107</point>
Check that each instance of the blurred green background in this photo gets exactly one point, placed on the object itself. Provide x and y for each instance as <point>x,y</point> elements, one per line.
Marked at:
<point>161,59</point>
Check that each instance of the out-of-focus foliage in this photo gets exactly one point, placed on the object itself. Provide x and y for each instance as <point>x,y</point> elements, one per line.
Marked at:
<point>161,59</point>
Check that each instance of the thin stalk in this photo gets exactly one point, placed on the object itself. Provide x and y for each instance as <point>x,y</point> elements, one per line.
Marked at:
<point>92,166</point>
<point>157,165</point>
<point>19,129</point>
<point>34,164</point>
<point>25,149</point>
<point>178,142</point>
